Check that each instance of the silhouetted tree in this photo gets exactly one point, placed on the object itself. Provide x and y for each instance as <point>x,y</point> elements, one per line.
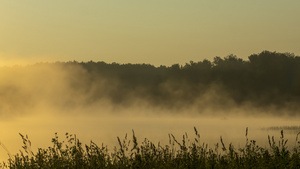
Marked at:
<point>267,78</point>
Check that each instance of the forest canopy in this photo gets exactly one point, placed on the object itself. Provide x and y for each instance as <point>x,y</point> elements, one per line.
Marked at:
<point>267,79</point>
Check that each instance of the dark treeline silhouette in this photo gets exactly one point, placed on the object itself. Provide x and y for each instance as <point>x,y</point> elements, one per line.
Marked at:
<point>266,79</point>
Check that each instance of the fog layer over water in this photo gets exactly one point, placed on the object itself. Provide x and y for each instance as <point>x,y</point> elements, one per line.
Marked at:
<point>42,99</point>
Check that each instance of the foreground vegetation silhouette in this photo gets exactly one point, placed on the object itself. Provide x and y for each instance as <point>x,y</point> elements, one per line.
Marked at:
<point>188,153</point>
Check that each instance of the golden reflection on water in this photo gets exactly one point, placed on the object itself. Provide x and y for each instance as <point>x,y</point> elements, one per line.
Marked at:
<point>104,128</point>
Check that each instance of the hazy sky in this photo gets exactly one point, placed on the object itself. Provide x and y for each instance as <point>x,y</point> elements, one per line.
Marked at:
<point>145,31</point>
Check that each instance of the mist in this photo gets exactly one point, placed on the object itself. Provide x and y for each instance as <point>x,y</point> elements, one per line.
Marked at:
<point>99,101</point>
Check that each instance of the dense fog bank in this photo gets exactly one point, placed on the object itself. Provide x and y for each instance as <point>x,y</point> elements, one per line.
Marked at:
<point>268,82</point>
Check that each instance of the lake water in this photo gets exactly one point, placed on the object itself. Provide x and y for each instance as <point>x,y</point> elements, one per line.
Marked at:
<point>105,127</point>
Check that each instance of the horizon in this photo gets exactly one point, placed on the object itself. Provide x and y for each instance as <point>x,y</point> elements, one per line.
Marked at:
<point>28,63</point>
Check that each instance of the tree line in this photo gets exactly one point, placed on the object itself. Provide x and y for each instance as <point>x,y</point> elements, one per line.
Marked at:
<point>265,79</point>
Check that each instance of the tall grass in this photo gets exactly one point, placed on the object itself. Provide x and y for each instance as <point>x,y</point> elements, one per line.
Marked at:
<point>130,153</point>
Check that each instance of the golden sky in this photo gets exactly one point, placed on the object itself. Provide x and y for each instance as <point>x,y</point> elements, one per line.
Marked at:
<point>145,31</point>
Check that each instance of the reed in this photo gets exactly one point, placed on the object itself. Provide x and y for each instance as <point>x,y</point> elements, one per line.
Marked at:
<point>130,153</point>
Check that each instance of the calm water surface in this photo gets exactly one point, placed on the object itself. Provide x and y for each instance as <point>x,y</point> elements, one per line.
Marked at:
<point>104,128</point>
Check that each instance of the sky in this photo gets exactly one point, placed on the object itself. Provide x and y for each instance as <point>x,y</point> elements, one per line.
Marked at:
<point>158,32</point>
